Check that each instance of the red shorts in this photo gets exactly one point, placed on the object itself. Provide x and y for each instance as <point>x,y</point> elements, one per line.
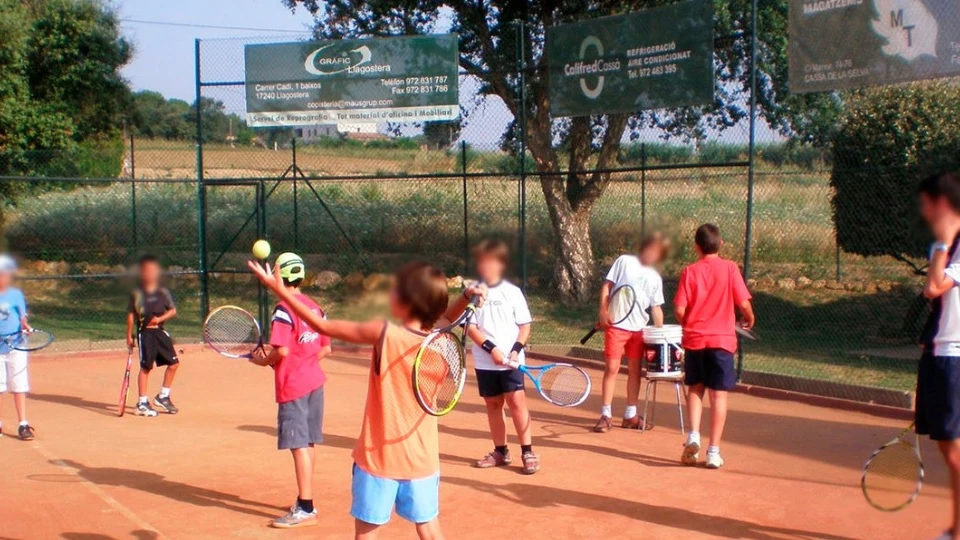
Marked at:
<point>618,343</point>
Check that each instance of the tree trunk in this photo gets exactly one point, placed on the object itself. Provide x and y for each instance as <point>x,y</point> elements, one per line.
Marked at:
<point>573,270</point>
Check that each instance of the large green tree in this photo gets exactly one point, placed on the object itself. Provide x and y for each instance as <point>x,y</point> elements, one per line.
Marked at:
<point>573,153</point>
<point>60,84</point>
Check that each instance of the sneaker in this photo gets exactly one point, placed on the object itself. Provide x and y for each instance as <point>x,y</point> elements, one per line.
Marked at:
<point>25,433</point>
<point>493,459</point>
<point>144,409</point>
<point>634,423</point>
<point>296,517</point>
<point>714,461</point>
<point>165,404</point>
<point>603,425</point>
<point>531,463</point>
<point>691,450</point>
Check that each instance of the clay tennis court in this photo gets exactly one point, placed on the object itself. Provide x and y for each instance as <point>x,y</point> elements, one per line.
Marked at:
<point>213,471</point>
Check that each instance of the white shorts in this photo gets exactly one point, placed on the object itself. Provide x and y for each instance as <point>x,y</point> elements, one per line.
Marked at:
<point>13,372</point>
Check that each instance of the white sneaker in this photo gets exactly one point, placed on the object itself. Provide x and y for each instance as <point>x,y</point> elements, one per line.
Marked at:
<point>144,409</point>
<point>691,450</point>
<point>714,461</point>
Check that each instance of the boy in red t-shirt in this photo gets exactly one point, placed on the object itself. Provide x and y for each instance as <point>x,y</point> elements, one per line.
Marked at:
<point>707,293</point>
<point>295,358</point>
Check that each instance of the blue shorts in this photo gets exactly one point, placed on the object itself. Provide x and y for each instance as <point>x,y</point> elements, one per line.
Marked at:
<point>374,498</point>
<point>497,382</point>
<point>713,368</point>
<point>938,397</point>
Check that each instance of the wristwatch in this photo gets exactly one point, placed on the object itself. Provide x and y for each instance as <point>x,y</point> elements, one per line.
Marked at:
<point>938,246</point>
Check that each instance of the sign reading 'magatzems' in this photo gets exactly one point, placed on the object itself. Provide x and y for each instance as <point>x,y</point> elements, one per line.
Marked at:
<point>406,79</point>
<point>852,43</point>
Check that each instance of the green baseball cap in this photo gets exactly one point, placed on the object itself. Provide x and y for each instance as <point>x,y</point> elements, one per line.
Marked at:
<point>291,266</point>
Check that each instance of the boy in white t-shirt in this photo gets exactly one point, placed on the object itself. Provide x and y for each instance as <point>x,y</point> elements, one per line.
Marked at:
<point>499,332</point>
<point>626,338</point>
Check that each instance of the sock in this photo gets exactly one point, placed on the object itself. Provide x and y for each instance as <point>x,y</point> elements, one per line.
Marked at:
<point>713,449</point>
<point>164,392</point>
<point>630,411</point>
<point>305,504</point>
<point>526,448</point>
<point>607,411</point>
<point>143,399</point>
<point>24,423</point>
<point>502,449</point>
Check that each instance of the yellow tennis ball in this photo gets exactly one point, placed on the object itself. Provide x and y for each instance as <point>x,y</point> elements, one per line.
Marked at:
<point>261,249</point>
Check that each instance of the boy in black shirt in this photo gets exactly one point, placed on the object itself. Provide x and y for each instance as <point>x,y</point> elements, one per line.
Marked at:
<point>151,305</point>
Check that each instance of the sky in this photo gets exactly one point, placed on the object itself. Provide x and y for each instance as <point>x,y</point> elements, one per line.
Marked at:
<point>163,58</point>
<point>163,54</point>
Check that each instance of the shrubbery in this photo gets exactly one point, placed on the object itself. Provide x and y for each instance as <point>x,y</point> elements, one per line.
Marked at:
<point>890,139</point>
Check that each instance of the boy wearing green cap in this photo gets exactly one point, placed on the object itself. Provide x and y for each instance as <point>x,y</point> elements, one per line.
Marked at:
<point>296,351</point>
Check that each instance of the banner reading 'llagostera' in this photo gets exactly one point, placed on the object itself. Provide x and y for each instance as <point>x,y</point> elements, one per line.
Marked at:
<point>852,43</point>
<point>354,81</point>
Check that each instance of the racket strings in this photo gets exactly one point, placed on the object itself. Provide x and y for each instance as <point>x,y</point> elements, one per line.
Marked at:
<point>621,304</point>
<point>231,331</point>
<point>440,372</point>
<point>893,476</point>
<point>565,385</point>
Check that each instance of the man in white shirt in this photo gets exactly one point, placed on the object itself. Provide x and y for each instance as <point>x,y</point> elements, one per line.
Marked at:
<point>938,378</point>
<point>499,332</point>
<point>625,338</point>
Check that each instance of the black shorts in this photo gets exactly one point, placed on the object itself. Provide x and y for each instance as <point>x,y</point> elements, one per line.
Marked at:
<point>493,383</point>
<point>300,422</point>
<point>938,397</point>
<point>156,347</point>
<point>713,368</point>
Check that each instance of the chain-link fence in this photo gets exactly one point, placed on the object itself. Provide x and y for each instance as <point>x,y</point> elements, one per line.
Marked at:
<point>357,204</point>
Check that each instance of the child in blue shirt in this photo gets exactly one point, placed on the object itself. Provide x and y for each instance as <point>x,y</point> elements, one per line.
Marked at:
<point>13,363</point>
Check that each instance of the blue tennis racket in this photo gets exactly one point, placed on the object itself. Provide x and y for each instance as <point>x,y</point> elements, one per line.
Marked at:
<point>564,385</point>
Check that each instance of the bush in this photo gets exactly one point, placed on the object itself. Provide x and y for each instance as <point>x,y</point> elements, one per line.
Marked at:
<point>890,139</point>
<point>656,154</point>
<point>718,152</point>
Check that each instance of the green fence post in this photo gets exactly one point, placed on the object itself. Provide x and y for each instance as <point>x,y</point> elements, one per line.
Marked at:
<point>643,189</point>
<point>201,193</point>
<point>522,125</point>
<point>133,197</point>
<point>296,208</point>
<point>751,158</point>
<point>466,231</point>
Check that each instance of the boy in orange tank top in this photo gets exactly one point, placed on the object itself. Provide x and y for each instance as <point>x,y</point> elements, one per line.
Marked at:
<point>397,457</point>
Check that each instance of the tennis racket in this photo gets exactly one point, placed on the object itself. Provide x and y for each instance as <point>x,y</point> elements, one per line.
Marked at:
<point>440,368</point>
<point>747,333</point>
<point>623,300</point>
<point>564,385</point>
<point>29,339</point>
<point>233,332</point>
<point>893,475</point>
<point>125,386</point>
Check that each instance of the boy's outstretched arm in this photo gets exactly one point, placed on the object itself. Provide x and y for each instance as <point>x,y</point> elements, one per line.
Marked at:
<point>129,336</point>
<point>353,332</point>
<point>456,308</point>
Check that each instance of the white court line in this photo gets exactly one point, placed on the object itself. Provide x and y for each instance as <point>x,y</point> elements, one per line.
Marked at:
<point>96,490</point>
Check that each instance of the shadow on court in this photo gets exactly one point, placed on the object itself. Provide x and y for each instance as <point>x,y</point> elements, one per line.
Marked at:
<point>543,497</point>
<point>135,535</point>
<point>156,484</point>
<point>329,439</point>
<point>106,409</point>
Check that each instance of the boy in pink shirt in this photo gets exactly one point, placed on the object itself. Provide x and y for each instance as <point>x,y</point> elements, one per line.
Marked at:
<point>298,378</point>
<point>707,294</point>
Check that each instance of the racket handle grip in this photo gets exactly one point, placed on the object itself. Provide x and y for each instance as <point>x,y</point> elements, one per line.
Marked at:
<point>586,338</point>
<point>511,363</point>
